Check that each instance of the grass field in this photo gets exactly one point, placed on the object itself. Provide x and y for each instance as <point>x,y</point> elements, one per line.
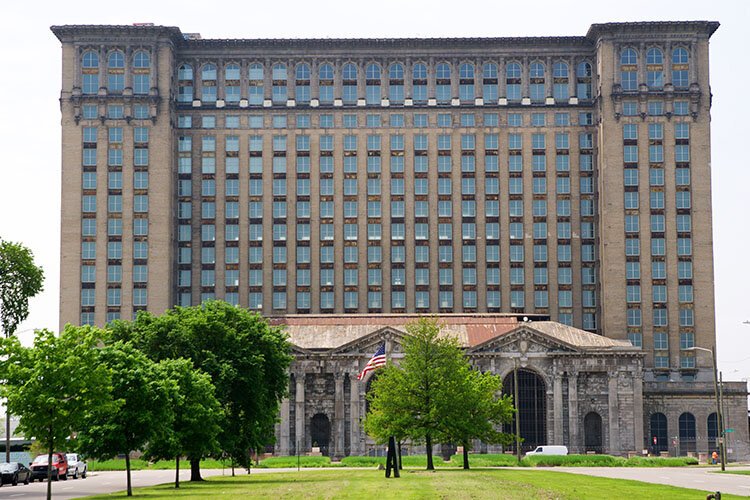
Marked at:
<point>445,483</point>
<point>740,472</point>
<point>138,464</point>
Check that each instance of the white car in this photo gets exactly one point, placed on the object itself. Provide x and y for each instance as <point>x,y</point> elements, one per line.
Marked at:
<point>77,466</point>
<point>549,450</point>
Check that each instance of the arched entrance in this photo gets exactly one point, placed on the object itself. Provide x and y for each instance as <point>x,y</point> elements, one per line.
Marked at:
<point>320,432</point>
<point>659,437</point>
<point>532,408</point>
<point>687,433</point>
<point>713,432</point>
<point>592,432</point>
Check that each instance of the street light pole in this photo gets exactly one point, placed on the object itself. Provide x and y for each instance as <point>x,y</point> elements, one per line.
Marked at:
<point>719,416</point>
<point>518,409</point>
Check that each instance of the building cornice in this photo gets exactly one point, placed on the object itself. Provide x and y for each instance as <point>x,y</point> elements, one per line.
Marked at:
<point>652,28</point>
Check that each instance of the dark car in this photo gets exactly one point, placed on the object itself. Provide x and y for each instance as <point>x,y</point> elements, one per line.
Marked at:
<point>14,473</point>
<point>59,467</point>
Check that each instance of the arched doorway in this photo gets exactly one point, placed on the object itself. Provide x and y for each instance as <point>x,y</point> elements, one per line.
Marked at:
<point>532,408</point>
<point>687,433</point>
<point>320,432</point>
<point>713,432</point>
<point>592,432</point>
<point>659,437</point>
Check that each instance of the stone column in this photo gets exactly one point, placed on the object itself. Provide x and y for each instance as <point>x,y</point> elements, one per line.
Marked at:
<point>557,405</point>
<point>613,412</point>
<point>299,408</point>
<point>573,411</point>
<point>284,428</point>
<point>338,416</point>
<point>638,410</point>
<point>355,424</point>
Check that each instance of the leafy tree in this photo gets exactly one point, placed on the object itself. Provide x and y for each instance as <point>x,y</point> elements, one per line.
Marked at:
<point>56,384</point>
<point>143,412</point>
<point>20,279</point>
<point>246,358</point>
<point>197,416</point>
<point>414,398</point>
<point>478,412</point>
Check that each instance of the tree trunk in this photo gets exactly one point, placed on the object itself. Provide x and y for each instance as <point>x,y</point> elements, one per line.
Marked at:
<point>400,463</point>
<point>49,470</point>
<point>195,469</point>
<point>127,468</point>
<point>466,457</point>
<point>7,433</point>
<point>177,472</point>
<point>428,447</point>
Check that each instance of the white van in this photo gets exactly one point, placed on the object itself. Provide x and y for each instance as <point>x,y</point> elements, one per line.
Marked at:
<point>549,450</point>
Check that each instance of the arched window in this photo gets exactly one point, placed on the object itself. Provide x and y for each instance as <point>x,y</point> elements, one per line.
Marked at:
<point>208,83</point>
<point>396,83</point>
<point>513,81</point>
<point>115,72</point>
<point>592,432</point>
<point>658,439</point>
<point>629,69</point>
<point>583,80</point>
<point>185,83</point>
<point>532,410</point>
<point>680,66</point>
<point>489,82</point>
<point>232,83</point>
<point>141,73</point>
<point>536,82</point>
<point>419,82</point>
<point>396,72</point>
<point>141,60</point>
<point>687,433</point>
<point>90,72</point>
<point>466,82</point>
<point>325,83</point>
<point>654,68</point>
<point>349,72</point>
<point>443,83</point>
<point>713,432</point>
<point>255,84</point>
<point>372,84</point>
<point>279,77</point>
<point>302,83</point>
<point>349,87</point>
<point>560,81</point>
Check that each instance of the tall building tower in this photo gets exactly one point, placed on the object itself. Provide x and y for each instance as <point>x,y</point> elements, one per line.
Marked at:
<point>561,176</point>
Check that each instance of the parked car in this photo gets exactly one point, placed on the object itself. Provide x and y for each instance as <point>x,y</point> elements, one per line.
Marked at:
<point>14,473</point>
<point>549,450</point>
<point>59,467</point>
<point>77,466</point>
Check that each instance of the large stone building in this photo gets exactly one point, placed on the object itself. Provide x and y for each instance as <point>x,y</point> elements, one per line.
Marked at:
<point>329,182</point>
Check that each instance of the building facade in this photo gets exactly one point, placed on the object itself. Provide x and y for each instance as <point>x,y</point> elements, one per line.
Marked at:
<point>558,176</point>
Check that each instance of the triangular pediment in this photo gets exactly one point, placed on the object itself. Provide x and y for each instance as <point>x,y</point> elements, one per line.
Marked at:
<point>369,343</point>
<point>524,340</point>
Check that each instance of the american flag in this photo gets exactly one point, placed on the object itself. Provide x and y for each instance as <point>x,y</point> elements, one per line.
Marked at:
<point>376,361</point>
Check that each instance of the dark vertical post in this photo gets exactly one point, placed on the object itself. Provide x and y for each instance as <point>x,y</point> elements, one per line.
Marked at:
<point>518,409</point>
<point>721,424</point>
<point>719,420</point>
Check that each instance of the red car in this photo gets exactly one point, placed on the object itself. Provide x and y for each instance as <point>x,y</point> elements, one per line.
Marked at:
<point>59,467</point>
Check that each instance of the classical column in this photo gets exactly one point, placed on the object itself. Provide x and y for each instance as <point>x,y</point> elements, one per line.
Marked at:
<point>355,424</point>
<point>638,410</point>
<point>284,428</point>
<point>573,411</point>
<point>557,406</point>
<point>614,412</point>
<point>299,410</point>
<point>338,415</point>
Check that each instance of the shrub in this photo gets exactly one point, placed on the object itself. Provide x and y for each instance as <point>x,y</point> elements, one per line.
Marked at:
<point>485,460</point>
<point>362,461</point>
<point>280,462</point>
<point>573,461</point>
<point>660,461</point>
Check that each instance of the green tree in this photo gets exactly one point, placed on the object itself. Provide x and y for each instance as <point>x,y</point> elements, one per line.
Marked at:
<point>246,358</point>
<point>142,414</point>
<point>20,279</point>
<point>413,398</point>
<point>197,416</point>
<point>478,412</point>
<point>55,385</point>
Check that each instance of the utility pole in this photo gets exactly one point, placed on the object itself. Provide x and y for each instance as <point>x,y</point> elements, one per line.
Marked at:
<point>721,423</point>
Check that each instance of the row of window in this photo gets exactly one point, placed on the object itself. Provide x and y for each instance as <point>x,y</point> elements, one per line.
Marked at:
<point>654,68</point>
<point>114,72</point>
<point>468,82</point>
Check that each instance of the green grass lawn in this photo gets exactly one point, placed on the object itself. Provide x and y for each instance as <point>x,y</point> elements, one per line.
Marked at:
<point>740,472</point>
<point>138,464</point>
<point>445,483</point>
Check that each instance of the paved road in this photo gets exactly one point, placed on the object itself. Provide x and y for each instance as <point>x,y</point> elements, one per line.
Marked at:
<point>97,483</point>
<point>705,479</point>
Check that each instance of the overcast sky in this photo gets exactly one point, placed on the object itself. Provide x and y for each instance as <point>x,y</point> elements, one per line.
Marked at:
<point>30,87</point>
